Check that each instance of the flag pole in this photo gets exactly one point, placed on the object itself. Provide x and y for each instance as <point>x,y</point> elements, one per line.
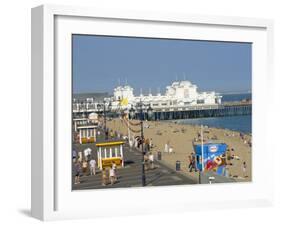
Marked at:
<point>202,148</point>
<point>129,134</point>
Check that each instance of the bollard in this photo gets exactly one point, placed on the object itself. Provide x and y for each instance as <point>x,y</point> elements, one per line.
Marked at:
<point>211,179</point>
<point>159,156</point>
<point>178,165</point>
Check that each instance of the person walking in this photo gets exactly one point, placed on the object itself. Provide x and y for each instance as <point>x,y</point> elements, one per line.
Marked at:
<point>87,153</point>
<point>74,155</point>
<point>131,143</point>
<point>228,157</point>
<point>112,175</point>
<point>146,146</point>
<point>106,134</point>
<point>136,142</point>
<point>193,163</point>
<point>114,167</point>
<point>84,167</point>
<point>103,177</point>
<point>93,167</point>
<point>111,134</point>
<point>190,163</point>
<point>150,144</point>
<point>77,168</point>
<point>151,160</point>
<point>166,148</point>
<point>80,156</point>
<point>244,169</point>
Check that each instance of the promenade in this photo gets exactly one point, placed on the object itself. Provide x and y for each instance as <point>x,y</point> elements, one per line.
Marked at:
<point>131,174</point>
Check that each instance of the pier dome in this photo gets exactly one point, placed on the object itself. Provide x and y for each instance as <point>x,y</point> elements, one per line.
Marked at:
<point>185,83</point>
<point>182,89</point>
<point>123,92</point>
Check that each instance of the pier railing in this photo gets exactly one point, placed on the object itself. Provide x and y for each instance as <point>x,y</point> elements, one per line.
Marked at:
<point>182,112</point>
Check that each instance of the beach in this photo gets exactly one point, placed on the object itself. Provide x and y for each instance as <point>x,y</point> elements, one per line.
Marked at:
<point>181,137</point>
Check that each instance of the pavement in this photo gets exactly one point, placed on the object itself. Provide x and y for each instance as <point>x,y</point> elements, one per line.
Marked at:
<point>131,174</point>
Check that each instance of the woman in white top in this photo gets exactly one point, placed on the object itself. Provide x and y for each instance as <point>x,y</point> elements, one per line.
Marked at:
<point>151,160</point>
<point>93,167</point>
<point>112,175</point>
<point>87,153</point>
<point>80,156</point>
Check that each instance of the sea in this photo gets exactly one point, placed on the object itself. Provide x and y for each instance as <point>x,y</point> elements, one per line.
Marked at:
<point>241,123</point>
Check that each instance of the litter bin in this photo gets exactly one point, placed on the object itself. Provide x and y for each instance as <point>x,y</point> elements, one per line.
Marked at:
<point>159,155</point>
<point>178,165</point>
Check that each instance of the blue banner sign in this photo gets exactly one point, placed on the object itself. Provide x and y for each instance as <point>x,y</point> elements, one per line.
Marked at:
<point>214,155</point>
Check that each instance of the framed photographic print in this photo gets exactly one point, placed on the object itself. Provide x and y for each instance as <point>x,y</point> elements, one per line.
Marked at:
<point>142,110</point>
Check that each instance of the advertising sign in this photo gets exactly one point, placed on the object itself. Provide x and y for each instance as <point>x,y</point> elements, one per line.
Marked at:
<point>213,155</point>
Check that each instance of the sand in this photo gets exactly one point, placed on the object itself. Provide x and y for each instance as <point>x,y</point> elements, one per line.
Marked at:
<point>180,138</point>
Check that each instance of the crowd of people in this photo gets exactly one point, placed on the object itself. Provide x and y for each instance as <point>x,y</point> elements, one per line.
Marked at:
<point>192,162</point>
<point>87,166</point>
<point>84,164</point>
<point>229,157</point>
<point>109,175</point>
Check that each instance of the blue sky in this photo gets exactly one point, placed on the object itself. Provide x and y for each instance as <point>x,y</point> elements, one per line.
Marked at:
<point>100,62</point>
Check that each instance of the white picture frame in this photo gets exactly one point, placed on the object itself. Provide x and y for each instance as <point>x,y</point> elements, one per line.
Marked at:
<point>52,27</point>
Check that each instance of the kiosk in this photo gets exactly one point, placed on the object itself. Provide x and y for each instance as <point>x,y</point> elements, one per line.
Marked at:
<point>87,134</point>
<point>79,122</point>
<point>109,153</point>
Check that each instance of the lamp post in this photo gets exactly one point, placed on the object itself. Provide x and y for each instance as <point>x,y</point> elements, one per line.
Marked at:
<point>149,112</point>
<point>99,108</point>
<point>104,123</point>
<point>105,109</point>
<point>132,111</point>
<point>132,114</point>
<point>202,156</point>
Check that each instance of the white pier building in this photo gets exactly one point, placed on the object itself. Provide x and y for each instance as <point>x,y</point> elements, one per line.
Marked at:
<point>178,94</point>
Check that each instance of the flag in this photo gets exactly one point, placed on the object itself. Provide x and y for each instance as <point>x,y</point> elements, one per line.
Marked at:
<point>124,102</point>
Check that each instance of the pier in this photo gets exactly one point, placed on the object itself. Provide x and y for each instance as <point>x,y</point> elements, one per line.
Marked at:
<point>228,109</point>
<point>173,113</point>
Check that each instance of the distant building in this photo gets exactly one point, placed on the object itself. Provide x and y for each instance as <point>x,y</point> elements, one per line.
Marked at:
<point>178,94</point>
<point>89,97</point>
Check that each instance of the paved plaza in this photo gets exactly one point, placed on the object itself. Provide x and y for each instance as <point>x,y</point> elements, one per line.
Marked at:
<point>131,174</point>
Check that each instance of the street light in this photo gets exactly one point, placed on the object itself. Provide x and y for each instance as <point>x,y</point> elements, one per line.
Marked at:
<point>105,109</point>
<point>83,110</point>
<point>150,112</point>
<point>132,114</point>
<point>98,107</point>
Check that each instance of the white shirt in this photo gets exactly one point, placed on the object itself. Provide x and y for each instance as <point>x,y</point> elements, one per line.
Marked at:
<point>113,166</point>
<point>93,163</point>
<point>87,151</point>
<point>151,157</point>
<point>111,172</point>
